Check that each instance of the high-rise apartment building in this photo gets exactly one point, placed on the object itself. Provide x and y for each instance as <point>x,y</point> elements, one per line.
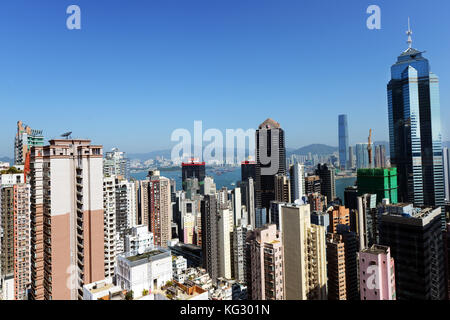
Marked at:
<point>236,198</point>
<point>446,152</point>
<point>327,181</point>
<point>116,164</point>
<point>210,237</point>
<point>414,236</point>
<point>343,142</point>
<point>238,262</point>
<point>317,201</point>
<point>415,135</point>
<point>304,247</point>
<point>367,220</point>
<point>380,156</point>
<point>160,219</point>
<point>109,221</point>
<point>338,215</point>
<point>224,241</point>
<point>312,184</point>
<point>336,267</point>
<point>351,248</point>
<point>270,161</point>
<point>297,178</point>
<point>377,273</point>
<point>265,267</point>
<point>248,200</point>
<point>67,229</point>
<point>351,157</point>
<point>282,188</point>
<point>25,139</point>
<point>15,245</point>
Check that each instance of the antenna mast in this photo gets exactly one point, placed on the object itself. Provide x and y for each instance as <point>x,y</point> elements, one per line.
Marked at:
<point>409,34</point>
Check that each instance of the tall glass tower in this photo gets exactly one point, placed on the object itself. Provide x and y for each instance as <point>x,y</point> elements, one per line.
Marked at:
<point>343,141</point>
<point>415,129</point>
<point>270,161</point>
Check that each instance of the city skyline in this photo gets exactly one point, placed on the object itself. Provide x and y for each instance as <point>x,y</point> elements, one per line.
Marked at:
<point>204,76</point>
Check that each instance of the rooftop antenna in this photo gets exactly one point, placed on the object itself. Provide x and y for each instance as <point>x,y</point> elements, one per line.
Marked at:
<point>67,135</point>
<point>409,34</point>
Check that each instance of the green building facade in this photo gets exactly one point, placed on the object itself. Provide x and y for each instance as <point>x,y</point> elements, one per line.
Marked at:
<point>380,181</point>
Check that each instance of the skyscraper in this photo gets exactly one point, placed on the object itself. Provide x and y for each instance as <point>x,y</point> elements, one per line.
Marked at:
<point>327,181</point>
<point>109,220</point>
<point>25,139</point>
<point>367,220</point>
<point>362,156</point>
<point>195,170</point>
<point>297,175</point>
<point>312,184</point>
<point>238,265</point>
<point>343,142</point>
<point>116,164</point>
<point>380,156</point>
<point>415,129</point>
<point>377,276</point>
<point>248,170</point>
<point>351,157</point>
<point>417,245</point>
<point>210,237</point>
<point>304,255</point>
<point>351,248</point>
<point>15,245</point>
<point>224,228</point>
<point>248,199</point>
<point>447,173</point>
<point>265,267</point>
<point>336,267</point>
<point>270,161</point>
<point>338,215</point>
<point>282,188</point>
<point>67,236</point>
<point>160,210</point>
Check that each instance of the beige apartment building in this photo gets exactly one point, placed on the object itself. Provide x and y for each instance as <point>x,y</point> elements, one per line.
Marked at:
<point>304,244</point>
<point>67,236</point>
<point>160,210</point>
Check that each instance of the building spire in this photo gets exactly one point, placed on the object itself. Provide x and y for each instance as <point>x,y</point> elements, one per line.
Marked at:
<point>409,33</point>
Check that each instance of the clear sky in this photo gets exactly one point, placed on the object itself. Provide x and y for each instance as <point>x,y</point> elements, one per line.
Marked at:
<point>139,69</point>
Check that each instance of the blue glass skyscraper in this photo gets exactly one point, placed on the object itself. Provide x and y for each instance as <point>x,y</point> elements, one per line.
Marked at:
<point>343,142</point>
<point>415,129</point>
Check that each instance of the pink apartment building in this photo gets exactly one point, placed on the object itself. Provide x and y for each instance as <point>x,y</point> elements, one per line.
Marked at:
<point>377,274</point>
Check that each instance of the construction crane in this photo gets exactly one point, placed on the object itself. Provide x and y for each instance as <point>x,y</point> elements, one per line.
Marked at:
<point>369,148</point>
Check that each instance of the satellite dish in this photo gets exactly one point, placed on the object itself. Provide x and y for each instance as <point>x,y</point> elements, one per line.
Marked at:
<point>66,135</point>
<point>140,250</point>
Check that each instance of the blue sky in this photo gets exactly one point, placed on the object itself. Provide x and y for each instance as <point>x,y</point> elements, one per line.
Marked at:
<point>137,70</point>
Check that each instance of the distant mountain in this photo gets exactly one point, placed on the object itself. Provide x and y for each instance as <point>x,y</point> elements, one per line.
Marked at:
<point>320,149</point>
<point>6,159</point>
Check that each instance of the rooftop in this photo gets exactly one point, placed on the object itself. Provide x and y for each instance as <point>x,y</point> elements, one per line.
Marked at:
<point>146,255</point>
<point>269,124</point>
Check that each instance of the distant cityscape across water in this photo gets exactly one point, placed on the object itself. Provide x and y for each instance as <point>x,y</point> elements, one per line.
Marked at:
<point>230,178</point>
